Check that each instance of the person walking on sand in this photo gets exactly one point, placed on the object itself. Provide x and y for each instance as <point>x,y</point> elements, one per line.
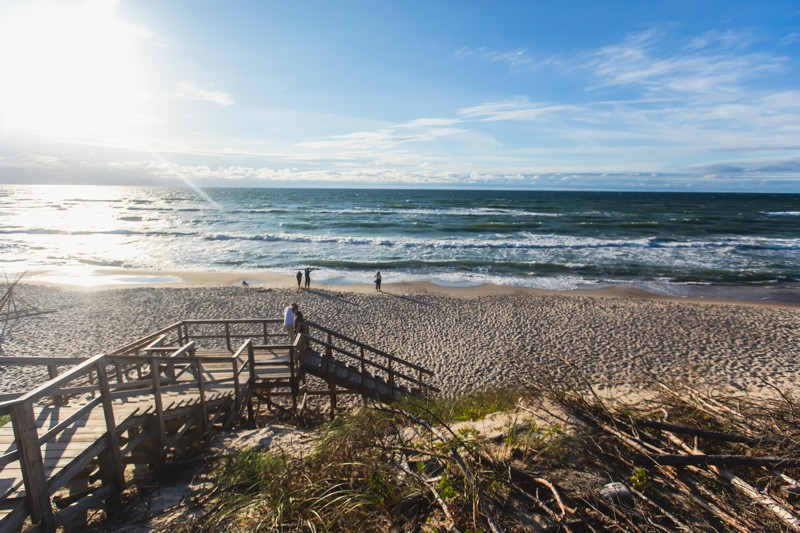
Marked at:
<point>288,321</point>
<point>378,281</point>
<point>299,278</point>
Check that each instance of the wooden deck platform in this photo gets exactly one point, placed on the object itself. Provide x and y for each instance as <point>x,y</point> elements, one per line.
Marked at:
<point>76,441</point>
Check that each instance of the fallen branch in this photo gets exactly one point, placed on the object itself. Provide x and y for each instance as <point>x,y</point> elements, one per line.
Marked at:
<point>687,430</point>
<point>459,461</point>
<point>716,460</point>
<point>756,495</point>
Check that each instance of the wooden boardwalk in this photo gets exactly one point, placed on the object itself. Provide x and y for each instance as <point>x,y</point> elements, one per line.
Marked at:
<point>75,442</point>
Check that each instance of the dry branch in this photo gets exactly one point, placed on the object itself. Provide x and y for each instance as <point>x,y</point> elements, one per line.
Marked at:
<point>716,460</point>
<point>687,430</point>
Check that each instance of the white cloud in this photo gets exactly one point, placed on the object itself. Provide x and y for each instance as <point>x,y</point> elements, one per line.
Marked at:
<point>511,110</point>
<point>517,60</point>
<point>712,64</point>
<point>186,90</point>
<point>791,38</point>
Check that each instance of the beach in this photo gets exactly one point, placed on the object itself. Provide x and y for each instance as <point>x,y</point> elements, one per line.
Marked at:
<point>471,337</point>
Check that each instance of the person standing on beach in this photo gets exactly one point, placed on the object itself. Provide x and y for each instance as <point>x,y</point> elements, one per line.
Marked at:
<point>288,321</point>
<point>299,278</point>
<point>299,319</point>
<point>308,277</point>
<point>299,329</point>
<point>378,281</point>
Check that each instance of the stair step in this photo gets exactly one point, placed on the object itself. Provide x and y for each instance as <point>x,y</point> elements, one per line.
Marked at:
<point>350,376</point>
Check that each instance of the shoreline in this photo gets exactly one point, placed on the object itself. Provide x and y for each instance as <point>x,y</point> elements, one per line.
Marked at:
<point>120,278</point>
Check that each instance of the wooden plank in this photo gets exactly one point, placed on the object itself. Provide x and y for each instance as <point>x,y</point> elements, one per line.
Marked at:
<point>161,429</point>
<point>32,465</point>
<point>112,472</point>
<point>63,475</point>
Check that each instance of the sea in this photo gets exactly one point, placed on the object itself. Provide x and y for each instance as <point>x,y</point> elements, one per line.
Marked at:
<point>681,244</point>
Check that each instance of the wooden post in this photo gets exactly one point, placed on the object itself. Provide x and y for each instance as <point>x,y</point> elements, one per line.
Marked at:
<point>391,377</point>
<point>161,428</point>
<point>251,358</point>
<point>200,388</point>
<point>363,373</point>
<point>266,336</point>
<point>237,401</point>
<point>228,336</point>
<point>183,333</point>
<point>328,349</point>
<point>37,497</point>
<point>293,378</point>
<point>332,386</point>
<point>52,371</point>
<point>118,370</point>
<point>112,471</point>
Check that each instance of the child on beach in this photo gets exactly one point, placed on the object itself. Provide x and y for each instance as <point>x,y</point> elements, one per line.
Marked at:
<point>378,281</point>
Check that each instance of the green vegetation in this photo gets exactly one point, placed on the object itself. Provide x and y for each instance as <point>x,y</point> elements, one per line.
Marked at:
<point>464,408</point>
<point>424,467</point>
<point>5,419</point>
<point>639,478</point>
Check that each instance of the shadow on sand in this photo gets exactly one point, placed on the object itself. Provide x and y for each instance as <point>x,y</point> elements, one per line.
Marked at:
<point>404,297</point>
<point>330,296</point>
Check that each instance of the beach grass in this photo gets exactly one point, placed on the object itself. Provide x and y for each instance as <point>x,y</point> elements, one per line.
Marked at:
<point>5,419</point>
<point>549,462</point>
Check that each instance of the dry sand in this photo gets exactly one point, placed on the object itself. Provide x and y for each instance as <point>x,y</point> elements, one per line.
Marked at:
<point>470,337</point>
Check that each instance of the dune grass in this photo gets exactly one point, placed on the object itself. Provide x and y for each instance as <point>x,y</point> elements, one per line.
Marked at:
<point>405,468</point>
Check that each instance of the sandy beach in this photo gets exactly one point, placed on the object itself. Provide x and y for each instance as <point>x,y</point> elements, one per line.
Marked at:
<point>471,337</point>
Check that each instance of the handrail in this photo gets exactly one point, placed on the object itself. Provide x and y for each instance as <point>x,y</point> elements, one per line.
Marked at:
<point>231,321</point>
<point>392,373</point>
<point>40,361</point>
<point>137,344</point>
<point>151,380</point>
<point>370,348</point>
<point>78,370</point>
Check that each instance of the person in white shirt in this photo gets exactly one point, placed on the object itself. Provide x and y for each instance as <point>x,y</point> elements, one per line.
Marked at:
<point>288,321</point>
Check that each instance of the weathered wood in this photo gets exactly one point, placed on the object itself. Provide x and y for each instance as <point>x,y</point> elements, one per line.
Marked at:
<point>251,418</point>
<point>160,426</point>
<point>687,430</point>
<point>113,471</point>
<point>717,460</point>
<point>201,391</point>
<point>62,425</point>
<point>150,405</point>
<point>32,465</point>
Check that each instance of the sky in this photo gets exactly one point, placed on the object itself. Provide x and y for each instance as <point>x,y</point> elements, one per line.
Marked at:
<point>670,95</point>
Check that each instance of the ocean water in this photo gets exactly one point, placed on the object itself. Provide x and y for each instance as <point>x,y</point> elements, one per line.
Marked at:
<point>674,243</point>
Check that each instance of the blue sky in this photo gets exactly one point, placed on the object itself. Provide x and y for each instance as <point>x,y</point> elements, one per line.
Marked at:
<point>623,95</point>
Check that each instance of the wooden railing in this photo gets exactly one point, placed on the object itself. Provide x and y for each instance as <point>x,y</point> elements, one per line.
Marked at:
<point>394,370</point>
<point>153,375</point>
<point>163,362</point>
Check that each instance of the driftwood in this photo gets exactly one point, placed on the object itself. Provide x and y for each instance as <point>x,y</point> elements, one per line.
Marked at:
<point>458,460</point>
<point>687,430</point>
<point>741,485</point>
<point>716,460</point>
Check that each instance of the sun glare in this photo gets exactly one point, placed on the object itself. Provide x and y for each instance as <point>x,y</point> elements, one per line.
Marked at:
<point>68,72</point>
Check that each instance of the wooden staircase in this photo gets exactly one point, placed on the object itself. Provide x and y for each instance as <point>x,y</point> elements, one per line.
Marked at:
<point>75,442</point>
<point>353,378</point>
